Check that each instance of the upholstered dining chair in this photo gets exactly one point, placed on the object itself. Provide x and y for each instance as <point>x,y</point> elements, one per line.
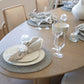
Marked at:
<point>74,77</point>
<point>1,33</point>
<point>14,16</point>
<point>53,3</point>
<point>50,4</point>
<point>40,4</point>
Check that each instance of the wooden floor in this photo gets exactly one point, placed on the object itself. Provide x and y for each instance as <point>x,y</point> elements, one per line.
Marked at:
<point>7,80</point>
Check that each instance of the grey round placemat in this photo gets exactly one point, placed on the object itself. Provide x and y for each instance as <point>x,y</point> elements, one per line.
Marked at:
<point>27,69</point>
<point>30,22</point>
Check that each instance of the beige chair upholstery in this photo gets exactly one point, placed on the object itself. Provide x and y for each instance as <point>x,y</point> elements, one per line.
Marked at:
<point>50,4</point>
<point>56,3</point>
<point>14,16</point>
<point>41,4</point>
<point>53,3</point>
<point>1,34</point>
<point>74,77</point>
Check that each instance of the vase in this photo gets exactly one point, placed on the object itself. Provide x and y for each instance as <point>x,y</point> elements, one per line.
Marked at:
<point>78,10</point>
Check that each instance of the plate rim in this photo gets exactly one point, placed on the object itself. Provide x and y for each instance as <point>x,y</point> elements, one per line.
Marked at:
<point>27,63</point>
<point>19,61</point>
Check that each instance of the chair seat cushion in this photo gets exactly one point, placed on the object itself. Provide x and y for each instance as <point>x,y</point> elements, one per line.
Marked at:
<point>74,77</point>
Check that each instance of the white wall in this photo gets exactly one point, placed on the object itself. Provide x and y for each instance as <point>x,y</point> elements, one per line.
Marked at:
<point>28,4</point>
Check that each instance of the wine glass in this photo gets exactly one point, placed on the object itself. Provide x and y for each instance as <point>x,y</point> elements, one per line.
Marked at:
<point>60,29</point>
<point>39,28</point>
<point>39,21</point>
<point>54,35</point>
<point>74,35</point>
<point>54,18</point>
<point>24,38</point>
<point>63,17</point>
<point>45,9</point>
<point>58,44</point>
<point>48,20</point>
<point>46,12</point>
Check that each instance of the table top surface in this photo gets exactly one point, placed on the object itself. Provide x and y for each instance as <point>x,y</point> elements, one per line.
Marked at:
<point>73,52</point>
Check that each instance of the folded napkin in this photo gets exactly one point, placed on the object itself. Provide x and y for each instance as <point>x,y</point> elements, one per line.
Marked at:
<point>34,44</point>
<point>40,15</point>
<point>43,17</point>
<point>80,29</point>
<point>29,47</point>
<point>19,54</point>
<point>32,14</point>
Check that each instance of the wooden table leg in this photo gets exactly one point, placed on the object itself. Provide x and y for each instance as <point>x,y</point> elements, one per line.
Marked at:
<point>42,81</point>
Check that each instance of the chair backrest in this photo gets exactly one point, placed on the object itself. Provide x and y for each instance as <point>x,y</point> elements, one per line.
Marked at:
<point>1,34</point>
<point>56,3</point>
<point>52,4</point>
<point>40,4</point>
<point>14,16</point>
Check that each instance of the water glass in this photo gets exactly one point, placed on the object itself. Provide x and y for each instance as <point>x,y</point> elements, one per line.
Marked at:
<point>59,30</point>
<point>74,37</point>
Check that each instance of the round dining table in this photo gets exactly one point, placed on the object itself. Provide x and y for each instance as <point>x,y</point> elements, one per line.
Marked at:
<point>73,52</point>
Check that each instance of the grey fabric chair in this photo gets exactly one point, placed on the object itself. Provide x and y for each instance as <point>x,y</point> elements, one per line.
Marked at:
<point>74,77</point>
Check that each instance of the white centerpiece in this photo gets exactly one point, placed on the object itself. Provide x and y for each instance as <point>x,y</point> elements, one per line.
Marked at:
<point>78,10</point>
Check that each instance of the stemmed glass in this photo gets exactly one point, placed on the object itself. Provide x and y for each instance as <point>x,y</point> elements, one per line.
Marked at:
<point>60,30</point>
<point>63,17</point>
<point>46,10</point>
<point>41,19</point>
<point>24,39</point>
<point>38,23</point>
<point>54,17</point>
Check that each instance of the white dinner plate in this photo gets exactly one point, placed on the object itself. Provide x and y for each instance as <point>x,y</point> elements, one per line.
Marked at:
<point>10,51</point>
<point>29,59</point>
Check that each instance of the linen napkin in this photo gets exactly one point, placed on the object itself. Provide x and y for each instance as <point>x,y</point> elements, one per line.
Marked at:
<point>19,54</point>
<point>32,14</point>
<point>80,29</point>
<point>34,44</point>
<point>43,17</point>
<point>29,47</point>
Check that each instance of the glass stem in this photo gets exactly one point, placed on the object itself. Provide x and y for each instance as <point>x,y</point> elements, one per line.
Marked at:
<point>64,38</point>
<point>58,51</point>
<point>56,39</point>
